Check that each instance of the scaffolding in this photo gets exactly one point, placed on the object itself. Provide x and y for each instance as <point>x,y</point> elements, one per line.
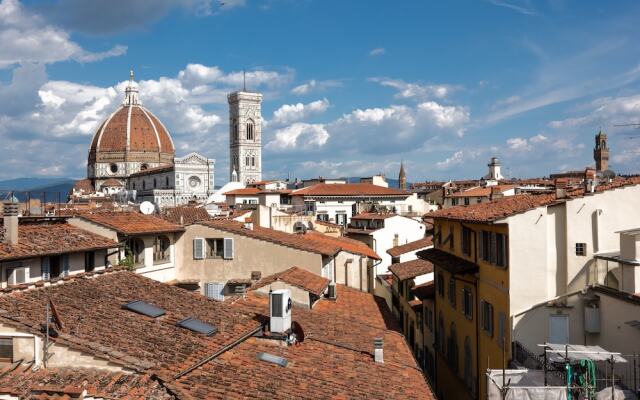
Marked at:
<point>576,364</point>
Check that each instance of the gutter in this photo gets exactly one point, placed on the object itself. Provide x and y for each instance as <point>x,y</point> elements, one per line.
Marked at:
<point>219,352</point>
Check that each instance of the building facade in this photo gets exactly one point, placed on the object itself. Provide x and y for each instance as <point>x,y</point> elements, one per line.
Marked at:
<point>245,137</point>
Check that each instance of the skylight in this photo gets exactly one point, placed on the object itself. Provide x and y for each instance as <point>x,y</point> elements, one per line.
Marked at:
<point>273,359</point>
<point>197,326</point>
<point>144,308</point>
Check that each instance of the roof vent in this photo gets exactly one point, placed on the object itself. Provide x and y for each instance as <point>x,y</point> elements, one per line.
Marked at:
<point>378,344</point>
<point>10,222</point>
<point>332,291</point>
<point>198,326</point>
<point>270,358</point>
<point>144,308</point>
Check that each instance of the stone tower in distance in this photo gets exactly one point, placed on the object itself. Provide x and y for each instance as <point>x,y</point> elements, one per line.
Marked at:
<point>402,177</point>
<point>245,136</point>
<point>601,152</point>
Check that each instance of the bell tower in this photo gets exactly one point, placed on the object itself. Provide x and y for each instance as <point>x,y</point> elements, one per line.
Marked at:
<point>245,136</point>
<point>601,152</point>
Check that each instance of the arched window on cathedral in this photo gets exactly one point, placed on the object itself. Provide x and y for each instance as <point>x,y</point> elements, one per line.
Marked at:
<point>253,161</point>
<point>236,130</point>
<point>250,133</point>
<point>247,161</point>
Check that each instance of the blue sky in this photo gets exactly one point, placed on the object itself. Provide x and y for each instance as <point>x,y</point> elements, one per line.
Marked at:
<point>350,87</point>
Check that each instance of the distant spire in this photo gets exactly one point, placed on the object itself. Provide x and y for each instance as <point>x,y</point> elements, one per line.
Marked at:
<point>131,92</point>
<point>402,177</point>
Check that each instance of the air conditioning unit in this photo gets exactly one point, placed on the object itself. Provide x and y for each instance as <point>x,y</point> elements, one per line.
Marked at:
<point>280,310</point>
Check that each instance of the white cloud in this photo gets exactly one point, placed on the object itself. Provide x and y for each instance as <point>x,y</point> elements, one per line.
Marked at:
<point>521,6</point>
<point>526,144</point>
<point>289,113</point>
<point>378,51</point>
<point>445,117</point>
<point>456,158</point>
<point>315,86</point>
<point>28,38</point>
<point>407,90</point>
<point>299,136</point>
<point>604,111</point>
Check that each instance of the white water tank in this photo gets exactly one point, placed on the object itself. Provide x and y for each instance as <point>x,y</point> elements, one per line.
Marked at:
<point>280,310</point>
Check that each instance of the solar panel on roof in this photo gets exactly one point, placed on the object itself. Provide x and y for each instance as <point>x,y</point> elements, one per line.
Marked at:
<point>197,326</point>
<point>273,359</point>
<point>144,308</point>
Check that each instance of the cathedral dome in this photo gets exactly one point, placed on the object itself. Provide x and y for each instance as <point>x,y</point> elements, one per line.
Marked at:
<point>132,134</point>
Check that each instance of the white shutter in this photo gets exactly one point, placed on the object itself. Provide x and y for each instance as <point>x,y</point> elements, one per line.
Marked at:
<point>198,249</point>
<point>45,268</point>
<point>65,264</point>
<point>228,248</point>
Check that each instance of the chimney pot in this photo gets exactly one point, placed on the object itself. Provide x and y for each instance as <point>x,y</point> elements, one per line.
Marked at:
<point>561,188</point>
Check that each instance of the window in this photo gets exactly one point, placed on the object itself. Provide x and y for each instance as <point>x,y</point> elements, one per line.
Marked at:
<point>452,348</point>
<point>89,261</point>
<point>454,201</point>
<point>16,275</point>
<point>396,239</point>
<point>6,349</point>
<point>501,250</point>
<point>466,241</point>
<point>135,250</point>
<point>253,161</point>
<point>467,300</point>
<point>452,292</point>
<point>236,132</point>
<point>113,168</point>
<point>487,317</point>
<point>466,201</point>
<point>468,374</point>
<point>161,251</point>
<point>581,249</point>
<point>440,333</point>
<point>502,330</point>
<point>323,217</point>
<point>215,248</point>
<point>250,134</point>
<point>429,319</point>
<point>493,248</point>
<point>440,283</point>
<point>247,162</point>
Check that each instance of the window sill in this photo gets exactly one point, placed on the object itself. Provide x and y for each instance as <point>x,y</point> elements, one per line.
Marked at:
<point>160,262</point>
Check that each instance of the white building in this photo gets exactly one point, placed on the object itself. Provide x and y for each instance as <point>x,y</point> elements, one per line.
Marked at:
<point>133,149</point>
<point>245,137</point>
<point>382,232</point>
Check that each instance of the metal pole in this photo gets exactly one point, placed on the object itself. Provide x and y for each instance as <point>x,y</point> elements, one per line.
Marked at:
<point>46,338</point>
<point>635,373</point>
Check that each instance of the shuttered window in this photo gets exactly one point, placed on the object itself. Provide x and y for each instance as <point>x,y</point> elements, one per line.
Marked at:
<point>198,249</point>
<point>6,349</point>
<point>228,248</point>
<point>45,268</point>
<point>214,290</point>
<point>487,317</point>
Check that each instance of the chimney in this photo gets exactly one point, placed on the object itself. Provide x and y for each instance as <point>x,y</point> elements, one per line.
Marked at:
<point>377,350</point>
<point>10,218</point>
<point>248,224</point>
<point>332,291</point>
<point>561,188</point>
<point>496,193</point>
<point>590,180</point>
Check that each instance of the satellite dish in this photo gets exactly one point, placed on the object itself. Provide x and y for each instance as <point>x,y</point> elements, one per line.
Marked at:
<point>147,208</point>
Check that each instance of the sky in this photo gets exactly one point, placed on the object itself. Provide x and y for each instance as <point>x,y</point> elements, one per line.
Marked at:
<point>351,87</point>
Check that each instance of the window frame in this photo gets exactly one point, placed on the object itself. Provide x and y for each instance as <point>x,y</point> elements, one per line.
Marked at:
<point>219,253</point>
<point>9,339</point>
<point>581,249</point>
<point>467,302</point>
<point>452,292</point>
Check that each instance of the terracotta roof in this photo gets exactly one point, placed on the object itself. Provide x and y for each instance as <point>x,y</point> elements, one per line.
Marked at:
<point>482,191</point>
<point>154,170</point>
<point>411,246</point>
<point>349,189</point>
<point>41,239</point>
<point>344,243</point>
<point>297,277</point>
<point>507,206</point>
<point>334,361</point>
<point>243,192</point>
<point>424,290</point>
<point>296,241</point>
<point>131,223</point>
<point>411,269</point>
<point>447,261</point>
<point>185,215</point>
<point>56,383</point>
<point>95,323</point>
<point>132,128</point>
<point>84,184</point>
<point>112,182</point>
<point>329,224</point>
<point>373,216</point>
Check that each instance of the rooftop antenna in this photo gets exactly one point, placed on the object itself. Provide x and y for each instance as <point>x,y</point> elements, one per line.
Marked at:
<point>244,80</point>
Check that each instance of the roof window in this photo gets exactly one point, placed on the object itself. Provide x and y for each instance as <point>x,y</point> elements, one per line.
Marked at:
<point>198,326</point>
<point>270,358</point>
<point>144,308</point>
